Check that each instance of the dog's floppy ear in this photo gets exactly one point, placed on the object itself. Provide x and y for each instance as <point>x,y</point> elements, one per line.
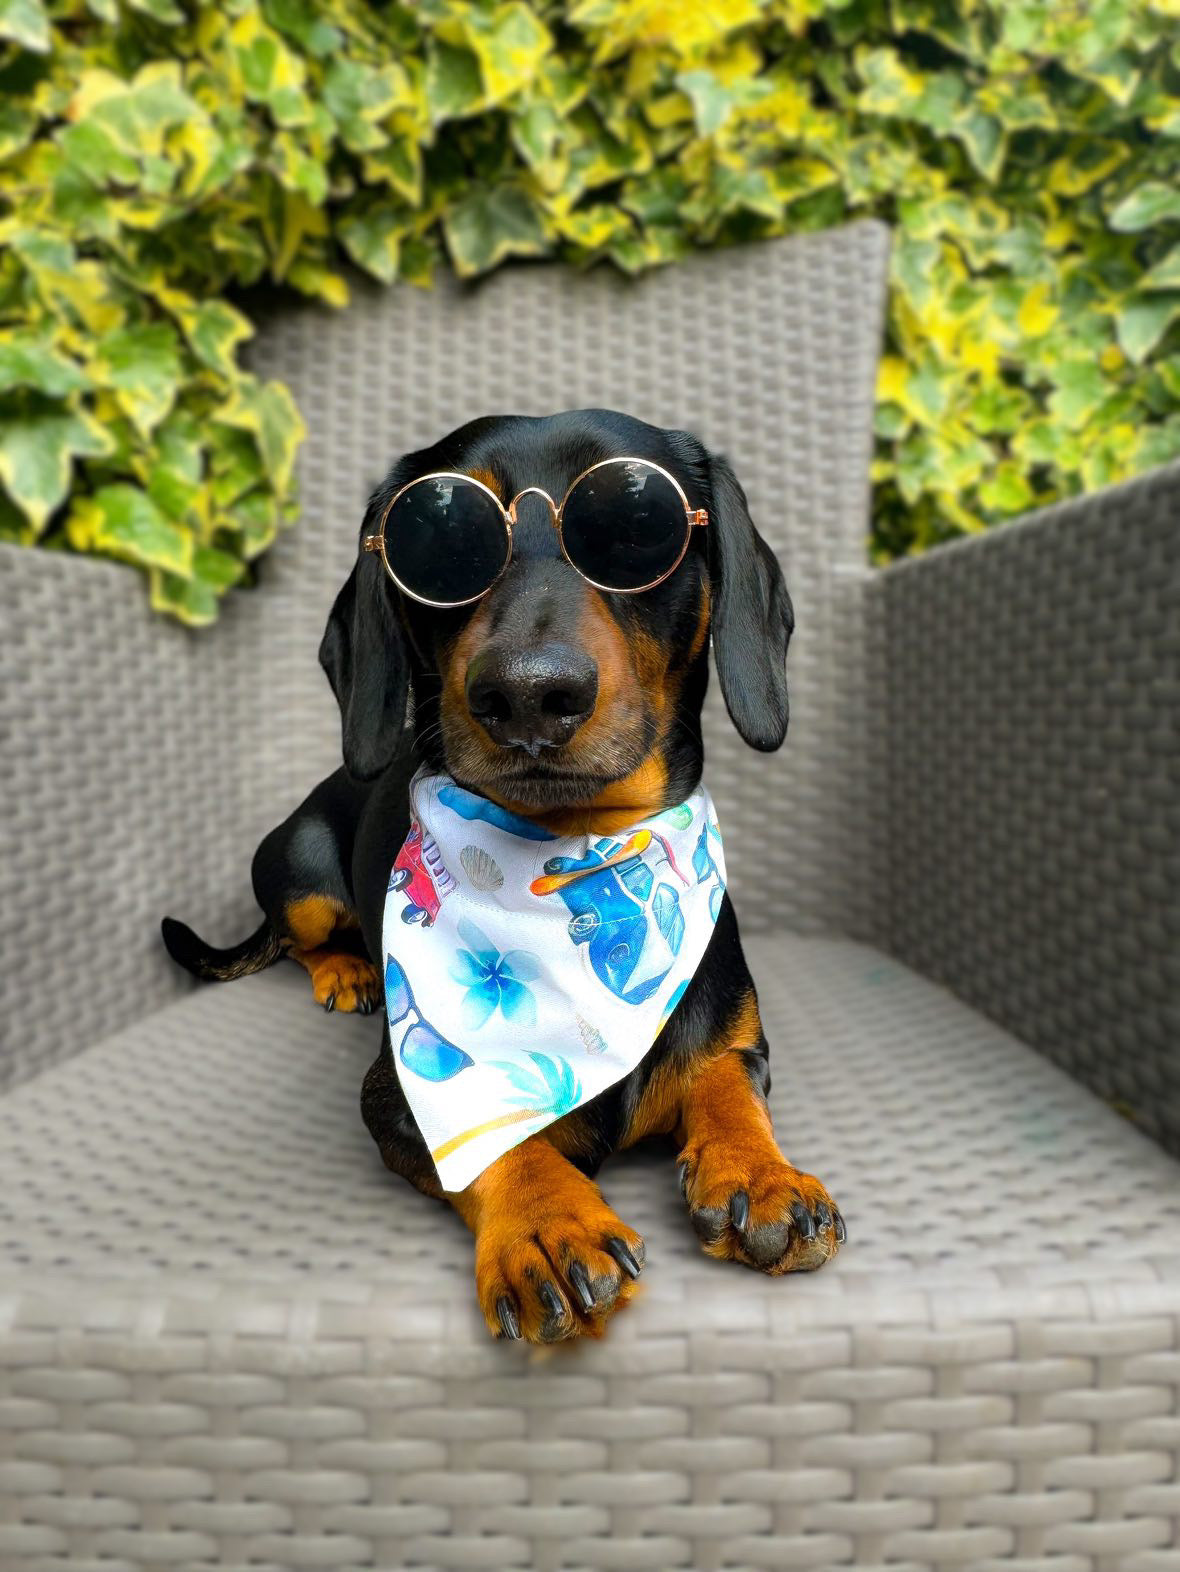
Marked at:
<point>752,616</point>
<point>363,652</point>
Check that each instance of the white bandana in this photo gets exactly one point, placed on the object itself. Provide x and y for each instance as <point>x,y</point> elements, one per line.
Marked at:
<point>526,972</point>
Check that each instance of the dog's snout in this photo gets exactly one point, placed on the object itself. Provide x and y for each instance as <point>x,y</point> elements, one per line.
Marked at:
<point>532,698</point>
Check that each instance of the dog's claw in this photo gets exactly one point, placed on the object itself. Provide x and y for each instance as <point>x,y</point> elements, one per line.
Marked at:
<point>841,1230</point>
<point>623,1256</point>
<point>739,1210</point>
<point>507,1318</point>
<point>682,1176</point>
<point>823,1215</point>
<point>551,1299</point>
<point>581,1285</point>
<point>330,1003</point>
<point>802,1219</point>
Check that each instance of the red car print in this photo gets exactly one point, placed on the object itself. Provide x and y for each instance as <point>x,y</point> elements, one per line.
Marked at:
<point>419,873</point>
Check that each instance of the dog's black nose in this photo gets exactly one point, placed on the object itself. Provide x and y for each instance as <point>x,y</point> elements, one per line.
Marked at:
<point>533,698</point>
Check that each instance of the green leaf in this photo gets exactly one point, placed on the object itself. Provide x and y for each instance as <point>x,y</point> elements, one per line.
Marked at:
<point>93,152</point>
<point>1081,388</point>
<point>122,521</point>
<point>1142,323</point>
<point>360,96</point>
<point>37,452</point>
<point>143,365</point>
<point>1149,204</point>
<point>159,10</point>
<point>17,126</point>
<point>269,414</point>
<point>983,137</point>
<point>491,225</point>
<point>301,21</point>
<point>30,361</point>
<point>712,100</point>
<point>25,23</point>
<point>1166,273</point>
<point>134,115</point>
<point>214,330</point>
<point>509,42</point>
<point>190,600</point>
<point>1007,492</point>
<point>373,239</point>
<point>172,492</point>
<point>454,85</point>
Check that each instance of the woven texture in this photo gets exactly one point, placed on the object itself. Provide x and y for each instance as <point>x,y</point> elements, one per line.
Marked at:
<point>1029,685</point>
<point>229,1338</point>
<point>128,788</point>
<point>236,1339</point>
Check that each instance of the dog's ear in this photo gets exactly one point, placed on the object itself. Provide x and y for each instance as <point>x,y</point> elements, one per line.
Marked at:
<point>363,652</point>
<point>752,616</point>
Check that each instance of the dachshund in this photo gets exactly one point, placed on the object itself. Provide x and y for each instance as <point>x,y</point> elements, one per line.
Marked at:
<point>579,707</point>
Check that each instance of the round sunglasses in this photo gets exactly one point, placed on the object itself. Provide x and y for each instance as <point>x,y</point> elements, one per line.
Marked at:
<point>623,524</point>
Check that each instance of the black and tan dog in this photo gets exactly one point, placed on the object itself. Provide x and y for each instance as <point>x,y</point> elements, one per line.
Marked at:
<point>624,742</point>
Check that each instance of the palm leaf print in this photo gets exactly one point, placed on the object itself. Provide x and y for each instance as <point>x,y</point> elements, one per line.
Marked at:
<point>549,1094</point>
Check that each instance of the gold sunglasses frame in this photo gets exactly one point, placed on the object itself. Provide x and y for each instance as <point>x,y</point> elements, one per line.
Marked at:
<point>694,518</point>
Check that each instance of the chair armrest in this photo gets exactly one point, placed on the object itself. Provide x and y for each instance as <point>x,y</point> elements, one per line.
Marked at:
<point>123,798</point>
<point>1026,702</point>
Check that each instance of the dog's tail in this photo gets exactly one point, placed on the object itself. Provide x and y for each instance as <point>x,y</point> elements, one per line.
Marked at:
<point>260,950</point>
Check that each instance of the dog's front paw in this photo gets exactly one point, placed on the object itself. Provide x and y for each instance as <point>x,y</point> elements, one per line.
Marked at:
<point>558,1269</point>
<point>761,1212</point>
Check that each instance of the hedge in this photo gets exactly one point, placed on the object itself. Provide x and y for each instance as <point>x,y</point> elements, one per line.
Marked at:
<point>158,158</point>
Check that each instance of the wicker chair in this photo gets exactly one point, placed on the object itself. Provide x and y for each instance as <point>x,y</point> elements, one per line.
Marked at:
<point>229,1338</point>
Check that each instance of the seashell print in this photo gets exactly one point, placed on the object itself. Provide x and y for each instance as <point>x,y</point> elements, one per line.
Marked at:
<point>483,870</point>
<point>592,1039</point>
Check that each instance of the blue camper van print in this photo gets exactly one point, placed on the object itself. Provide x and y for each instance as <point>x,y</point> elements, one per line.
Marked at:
<point>627,916</point>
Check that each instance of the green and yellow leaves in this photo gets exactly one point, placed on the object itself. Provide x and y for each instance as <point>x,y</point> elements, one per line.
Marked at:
<point>155,156</point>
<point>491,225</point>
<point>38,447</point>
<point>1152,203</point>
<point>26,24</point>
<point>267,412</point>
<point>508,43</point>
<point>121,521</point>
<point>373,240</point>
<point>142,364</point>
<point>30,360</point>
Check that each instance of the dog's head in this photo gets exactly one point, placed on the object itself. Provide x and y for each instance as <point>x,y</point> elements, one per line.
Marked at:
<point>548,693</point>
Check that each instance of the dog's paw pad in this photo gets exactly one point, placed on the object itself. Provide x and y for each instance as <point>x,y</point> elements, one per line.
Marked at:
<point>765,1214</point>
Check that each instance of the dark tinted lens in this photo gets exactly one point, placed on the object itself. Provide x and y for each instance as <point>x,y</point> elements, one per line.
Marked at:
<point>624,525</point>
<point>445,539</point>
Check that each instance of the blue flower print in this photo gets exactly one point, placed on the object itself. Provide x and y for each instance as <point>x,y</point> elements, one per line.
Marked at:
<point>493,980</point>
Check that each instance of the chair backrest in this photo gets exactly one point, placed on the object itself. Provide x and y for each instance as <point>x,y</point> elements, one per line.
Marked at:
<point>767,352</point>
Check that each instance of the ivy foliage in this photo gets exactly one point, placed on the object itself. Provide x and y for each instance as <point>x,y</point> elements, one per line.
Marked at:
<point>159,158</point>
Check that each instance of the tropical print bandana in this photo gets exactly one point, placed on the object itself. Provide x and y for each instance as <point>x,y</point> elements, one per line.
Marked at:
<point>526,972</point>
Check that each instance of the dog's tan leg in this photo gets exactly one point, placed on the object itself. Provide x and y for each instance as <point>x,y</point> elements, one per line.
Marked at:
<point>552,1261</point>
<point>746,1201</point>
<point>340,978</point>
